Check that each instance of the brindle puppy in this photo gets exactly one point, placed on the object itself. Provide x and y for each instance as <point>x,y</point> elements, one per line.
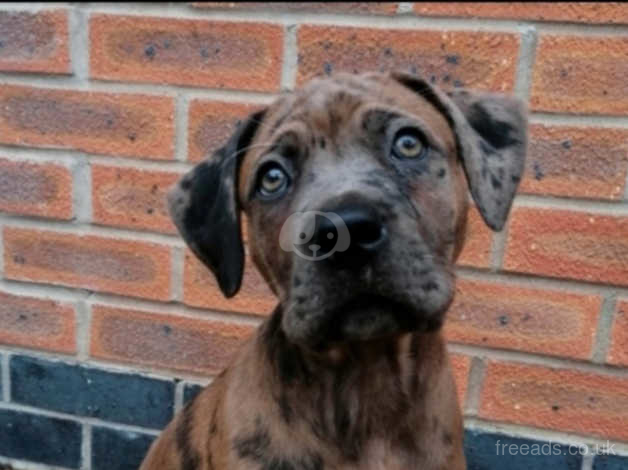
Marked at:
<point>351,369</point>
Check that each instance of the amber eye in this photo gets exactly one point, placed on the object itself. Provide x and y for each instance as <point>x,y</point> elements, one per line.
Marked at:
<point>273,180</point>
<point>408,144</point>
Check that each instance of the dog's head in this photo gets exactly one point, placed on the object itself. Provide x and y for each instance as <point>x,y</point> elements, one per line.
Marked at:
<point>355,189</point>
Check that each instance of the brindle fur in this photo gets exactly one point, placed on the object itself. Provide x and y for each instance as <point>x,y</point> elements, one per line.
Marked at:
<point>321,386</point>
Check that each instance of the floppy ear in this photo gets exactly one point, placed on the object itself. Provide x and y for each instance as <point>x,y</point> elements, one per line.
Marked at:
<point>204,207</point>
<point>491,139</point>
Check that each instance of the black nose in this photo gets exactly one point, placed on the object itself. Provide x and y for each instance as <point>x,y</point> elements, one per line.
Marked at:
<point>367,235</point>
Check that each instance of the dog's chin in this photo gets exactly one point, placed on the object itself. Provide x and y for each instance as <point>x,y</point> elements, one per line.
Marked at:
<point>365,317</point>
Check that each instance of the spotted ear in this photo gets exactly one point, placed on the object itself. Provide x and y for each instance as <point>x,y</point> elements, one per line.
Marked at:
<point>204,207</point>
<point>491,139</point>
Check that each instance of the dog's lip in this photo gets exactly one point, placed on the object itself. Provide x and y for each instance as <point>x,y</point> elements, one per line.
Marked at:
<point>403,311</point>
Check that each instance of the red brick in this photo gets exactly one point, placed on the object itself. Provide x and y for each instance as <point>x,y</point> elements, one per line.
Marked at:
<point>36,323</point>
<point>34,42</point>
<point>106,123</point>
<point>568,244</point>
<point>575,74</point>
<point>41,189</point>
<point>215,54</point>
<point>576,12</point>
<point>531,320</point>
<point>167,341</point>
<point>211,123</point>
<point>583,162</point>
<point>477,246</point>
<point>132,198</point>
<point>559,399</point>
<point>200,290</point>
<point>461,366</point>
<point>618,353</point>
<point>470,59</point>
<point>384,8</point>
<point>124,267</point>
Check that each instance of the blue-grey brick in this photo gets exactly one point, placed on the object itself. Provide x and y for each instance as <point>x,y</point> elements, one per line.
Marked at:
<point>190,391</point>
<point>482,453</point>
<point>610,462</point>
<point>41,439</point>
<point>83,391</point>
<point>118,450</point>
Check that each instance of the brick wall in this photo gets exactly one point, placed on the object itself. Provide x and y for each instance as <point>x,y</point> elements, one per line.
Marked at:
<point>108,323</point>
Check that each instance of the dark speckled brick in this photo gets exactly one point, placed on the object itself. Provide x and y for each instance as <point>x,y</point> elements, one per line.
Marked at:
<point>118,450</point>
<point>190,391</point>
<point>49,441</point>
<point>610,462</point>
<point>482,453</point>
<point>122,398</point>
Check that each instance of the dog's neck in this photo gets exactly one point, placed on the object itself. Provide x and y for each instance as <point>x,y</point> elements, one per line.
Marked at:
<point>354,392</point>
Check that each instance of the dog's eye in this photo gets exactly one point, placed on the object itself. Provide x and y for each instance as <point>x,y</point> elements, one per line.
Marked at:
<point>273,180</point>
<point>408,144</point>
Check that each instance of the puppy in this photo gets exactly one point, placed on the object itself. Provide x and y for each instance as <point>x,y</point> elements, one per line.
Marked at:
<point>355,192</point>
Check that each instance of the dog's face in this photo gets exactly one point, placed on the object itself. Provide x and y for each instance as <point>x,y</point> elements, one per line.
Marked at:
<point>355,189</point>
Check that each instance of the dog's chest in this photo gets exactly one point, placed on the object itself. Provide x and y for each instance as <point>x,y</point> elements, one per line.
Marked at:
<point>378,455</point>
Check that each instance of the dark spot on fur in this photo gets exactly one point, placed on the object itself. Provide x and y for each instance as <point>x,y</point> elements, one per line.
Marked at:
<point>555,407</point>
<point>496,132</point>
<point>255,445</point>
<point>538,172</point>
<point>189,456</point>
<point>503,320</point>
<point>566,144</point>
<point>495,182</point>
<point>388,52</point>
<point>429,286</point>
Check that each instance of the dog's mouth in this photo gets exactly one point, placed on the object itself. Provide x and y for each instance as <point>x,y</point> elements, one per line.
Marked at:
<point>369,316</point>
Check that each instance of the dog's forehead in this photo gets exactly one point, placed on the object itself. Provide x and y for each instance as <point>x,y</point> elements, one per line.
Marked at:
<point>324,105</point>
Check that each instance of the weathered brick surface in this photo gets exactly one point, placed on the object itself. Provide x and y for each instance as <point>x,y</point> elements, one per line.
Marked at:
<point>84,391</point>
<point>215,54</point>
<point>576,12</point>
<point>477,246</point>
<point>34,42</point>
<point>211,123</point>
<point>587,162</point>
<point>618,353</point>
<point>610,462</point>
<point>461,366</point>
<point>488,451</point>
<point>385,8</point>
<point>165,341</point>
<point>36,323</point>
<point>201,290</point>
<point>132,198</point>
<point>568,244</point>
<point>106,123</point>
<point>119,266</point>
<point>580,75</point>
<point>19,432</point>
<point>513,317</point>
<point>448,59</point>
<point>30,188</point>
<point>122,450</point>
<point>560,399</point>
